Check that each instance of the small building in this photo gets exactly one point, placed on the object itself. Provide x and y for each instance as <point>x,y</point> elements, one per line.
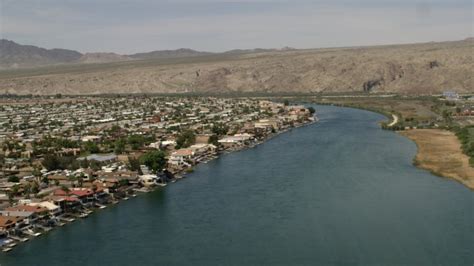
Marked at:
<point>103,158</point>
<point>451,95</point>
<point>10,223</point>
<point>53,209</point>
<point>28,217</point>
<point>148,180</point>
<point>181,156</point>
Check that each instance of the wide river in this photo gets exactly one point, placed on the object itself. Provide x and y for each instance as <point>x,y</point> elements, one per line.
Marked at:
<point>339,192</point>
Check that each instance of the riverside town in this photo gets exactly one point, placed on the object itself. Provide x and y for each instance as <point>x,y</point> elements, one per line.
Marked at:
<point>61,159</point>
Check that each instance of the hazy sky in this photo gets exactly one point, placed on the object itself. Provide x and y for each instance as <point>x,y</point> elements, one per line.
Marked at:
<point>143,25</point>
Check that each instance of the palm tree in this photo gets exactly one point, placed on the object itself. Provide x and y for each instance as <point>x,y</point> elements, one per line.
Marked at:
<point>11,197</point>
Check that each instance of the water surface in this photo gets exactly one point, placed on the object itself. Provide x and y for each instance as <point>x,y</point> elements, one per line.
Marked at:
<point>339,192</point>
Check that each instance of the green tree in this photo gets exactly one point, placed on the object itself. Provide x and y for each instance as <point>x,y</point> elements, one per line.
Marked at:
<point>134,163</point>
<point>51,162</point>
<point>185,139</point>
<point>124,182</point>
<point>311,110</point>
<point>136,141</point>
<point>11,197</point>
<point>213,139</point>
<point>35,188</point>
<point>155,160</point>
<point>91,147</point>
<point>219,129</point>
<point>119,146</point>
<point>13,179</point>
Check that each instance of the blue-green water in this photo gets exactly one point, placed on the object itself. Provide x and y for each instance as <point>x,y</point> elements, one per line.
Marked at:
<point>339,192</point>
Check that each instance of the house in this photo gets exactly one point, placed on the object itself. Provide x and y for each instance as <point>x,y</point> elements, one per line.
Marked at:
<point>28,217</point>
<point>155,145</point>
<point>59,179</point>
<point>10,223</point>
<point>40,211</point>
<point>53,209</point>
<point>267,124</point>
<point>181,156</point>
<point>66,203</point>
<point>85,195</point>
<point>451,95</point>
<point>103,158</point>
<point>90,138</point>
<point>167,143</point>
<point>237,139</point>
<point>202,148</point>
<point>148,180</point>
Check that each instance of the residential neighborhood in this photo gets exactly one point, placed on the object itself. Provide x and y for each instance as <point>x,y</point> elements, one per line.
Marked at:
<point>64,158</point>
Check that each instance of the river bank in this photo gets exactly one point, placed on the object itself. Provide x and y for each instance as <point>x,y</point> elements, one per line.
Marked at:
<point>337,192</point>
<point>94,203</point>
<point>439,152</point>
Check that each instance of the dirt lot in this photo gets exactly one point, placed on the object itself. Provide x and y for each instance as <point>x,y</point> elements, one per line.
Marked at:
<point>439,151</point>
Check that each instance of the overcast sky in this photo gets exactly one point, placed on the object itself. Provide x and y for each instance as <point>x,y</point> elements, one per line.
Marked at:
<point>143,25</point>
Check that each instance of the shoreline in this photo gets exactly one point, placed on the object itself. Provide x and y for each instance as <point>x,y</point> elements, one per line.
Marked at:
<point>182,173</point>
<point>62,220</point>
<point>439,152</point>
<point>426,157</point>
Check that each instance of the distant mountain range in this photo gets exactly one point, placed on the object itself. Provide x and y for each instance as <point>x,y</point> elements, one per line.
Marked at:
<point>14,55</point>
<point>416,69</point>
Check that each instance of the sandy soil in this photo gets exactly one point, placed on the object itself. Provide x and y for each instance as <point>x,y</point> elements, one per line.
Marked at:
<point>439,151</point>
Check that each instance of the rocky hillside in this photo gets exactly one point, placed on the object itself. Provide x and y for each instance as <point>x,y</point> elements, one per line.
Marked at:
<point>407,69</point>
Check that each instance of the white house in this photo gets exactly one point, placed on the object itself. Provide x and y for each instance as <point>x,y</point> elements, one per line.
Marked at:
<point>179,157</point>
<point>54,210</point>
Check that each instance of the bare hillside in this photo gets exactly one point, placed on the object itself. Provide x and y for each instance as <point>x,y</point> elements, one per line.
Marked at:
<point>411,69</point>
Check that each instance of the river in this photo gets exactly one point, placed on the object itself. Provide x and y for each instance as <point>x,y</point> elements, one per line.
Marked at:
<point>338,192</point>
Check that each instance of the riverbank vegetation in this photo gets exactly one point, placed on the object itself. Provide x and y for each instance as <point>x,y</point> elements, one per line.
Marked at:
<point>439,152</point>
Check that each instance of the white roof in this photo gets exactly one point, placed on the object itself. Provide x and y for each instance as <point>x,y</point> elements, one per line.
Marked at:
<point>46,204</point>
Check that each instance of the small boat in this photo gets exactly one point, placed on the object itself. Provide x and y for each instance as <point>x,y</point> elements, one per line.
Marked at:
<point>101,206</point>
<point>83,215</point>
<point>69,220</point>
<point>7,250</point>
<point>31,233</point>
<point>20,239</point>
<point>44,228</point>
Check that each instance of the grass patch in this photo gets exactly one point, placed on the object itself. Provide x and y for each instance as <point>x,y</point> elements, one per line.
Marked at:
<point>466,137</point>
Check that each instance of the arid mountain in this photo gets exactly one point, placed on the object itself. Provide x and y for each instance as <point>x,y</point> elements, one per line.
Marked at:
<point>183,52</point>
<point>13,55</point>
<point>103,58</point>
<point>406,69</point>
